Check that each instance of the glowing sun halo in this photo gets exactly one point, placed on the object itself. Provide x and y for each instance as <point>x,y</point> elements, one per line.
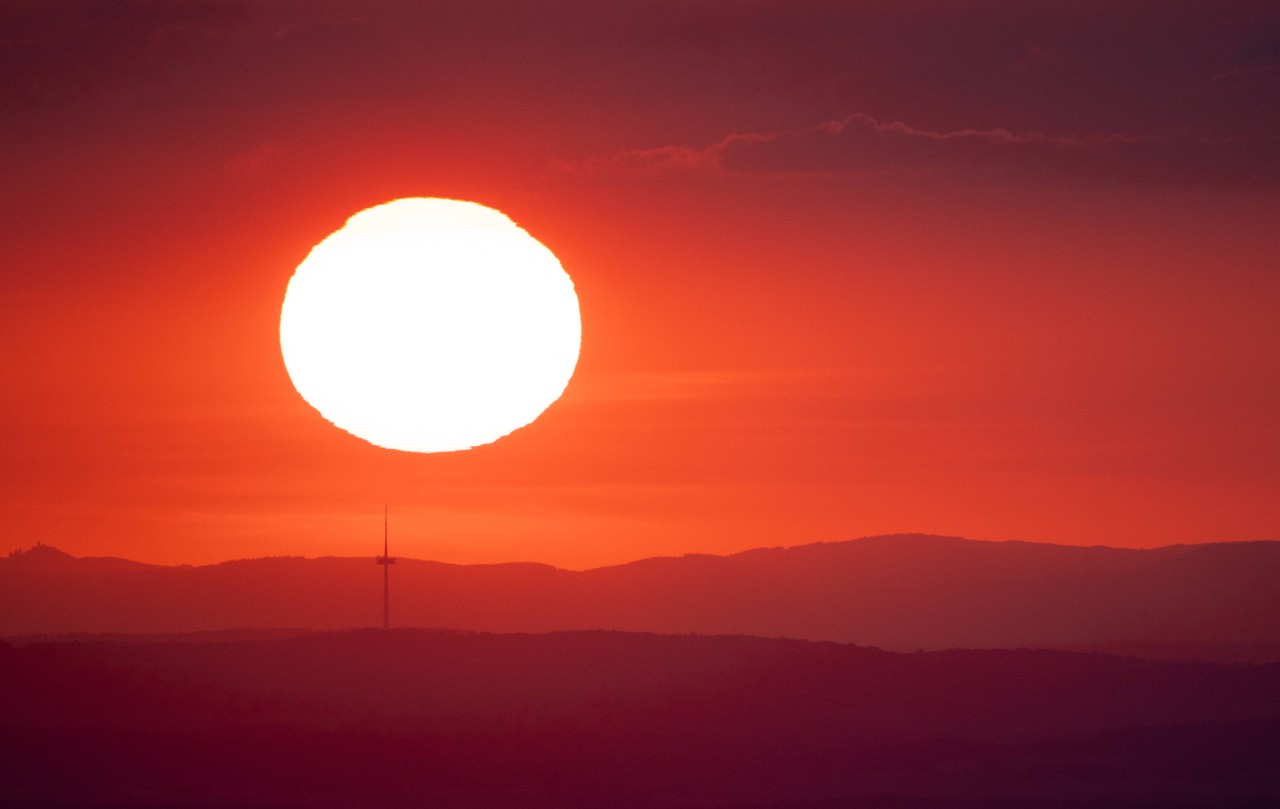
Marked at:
<point>430,325</point>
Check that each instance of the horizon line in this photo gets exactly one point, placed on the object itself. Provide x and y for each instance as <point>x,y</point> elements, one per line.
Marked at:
<point>18,552</point>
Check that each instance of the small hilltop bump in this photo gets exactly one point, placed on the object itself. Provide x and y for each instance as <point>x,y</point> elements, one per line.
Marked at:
<point>40,553</point>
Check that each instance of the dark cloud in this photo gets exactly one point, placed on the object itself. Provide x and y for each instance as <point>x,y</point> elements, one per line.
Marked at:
<point>1138,91</point>
<point>252,161</point>
<point>862,145</point>
<point>59,53</point>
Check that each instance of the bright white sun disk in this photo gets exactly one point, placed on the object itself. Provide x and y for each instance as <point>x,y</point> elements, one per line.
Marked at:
<point>430,325</point>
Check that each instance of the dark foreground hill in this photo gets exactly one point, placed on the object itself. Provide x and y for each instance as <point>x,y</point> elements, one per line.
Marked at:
<point>418,718</point>
<point>902,593</point>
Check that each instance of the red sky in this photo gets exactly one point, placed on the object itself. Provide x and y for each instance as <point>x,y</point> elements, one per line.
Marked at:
<point>1001,270</point>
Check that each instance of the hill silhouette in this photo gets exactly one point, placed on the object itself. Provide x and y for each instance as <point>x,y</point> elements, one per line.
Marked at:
<point>415,717</point>
<point>899,593</point>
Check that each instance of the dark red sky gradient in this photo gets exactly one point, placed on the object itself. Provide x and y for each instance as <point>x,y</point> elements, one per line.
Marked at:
<point>997,269</point>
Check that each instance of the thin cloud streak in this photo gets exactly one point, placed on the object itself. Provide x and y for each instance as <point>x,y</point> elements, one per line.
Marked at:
<point>723,384</point>
<point>720,157</point>
<point>860,145</point>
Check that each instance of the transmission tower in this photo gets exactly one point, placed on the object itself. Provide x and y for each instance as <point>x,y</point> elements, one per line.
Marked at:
<point>386,562</point>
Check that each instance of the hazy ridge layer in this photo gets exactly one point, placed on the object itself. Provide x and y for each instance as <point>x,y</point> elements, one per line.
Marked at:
<point>1213,601</point>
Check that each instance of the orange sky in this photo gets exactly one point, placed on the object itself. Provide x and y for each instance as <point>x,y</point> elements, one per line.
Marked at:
<point>935,267</point>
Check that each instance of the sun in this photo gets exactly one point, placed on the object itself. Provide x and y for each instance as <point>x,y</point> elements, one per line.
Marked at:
<point>430,325</point>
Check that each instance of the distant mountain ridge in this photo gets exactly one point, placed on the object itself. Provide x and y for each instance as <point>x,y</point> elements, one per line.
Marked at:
<point>902,592</point>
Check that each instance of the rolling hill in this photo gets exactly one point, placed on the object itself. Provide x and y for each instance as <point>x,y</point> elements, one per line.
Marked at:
<point>445,718</point>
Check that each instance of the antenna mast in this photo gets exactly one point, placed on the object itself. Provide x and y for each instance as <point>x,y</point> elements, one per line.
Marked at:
<point>386,562</point>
